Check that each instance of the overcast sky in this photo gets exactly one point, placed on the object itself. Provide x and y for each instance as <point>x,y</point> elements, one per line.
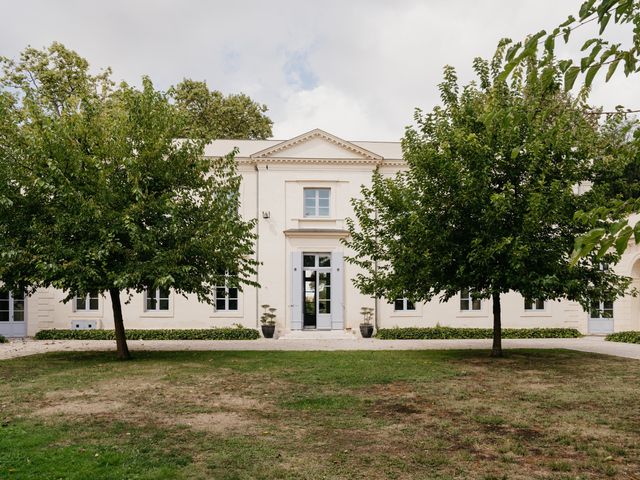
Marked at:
<point>354,68</point>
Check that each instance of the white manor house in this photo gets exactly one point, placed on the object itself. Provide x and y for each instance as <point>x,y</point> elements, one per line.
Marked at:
<point>300,190</point>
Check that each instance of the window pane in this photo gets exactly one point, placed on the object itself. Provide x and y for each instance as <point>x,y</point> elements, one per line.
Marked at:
<point>410,305</point>
<point>323,211</point>
<point>151,303</point>
<point>464,293</point>
<point>81,303</point>
<point>398,304</point>
<point>233,293</point>
<point>540,304</point>
<point>309,261</point>
<point>595,309</point>
<point>164,293</point>
<point>324,261</point>
<point>221,292</point>
<point>464,304</point>
<point>18,316</point>
<point>93,303</point>
<point>164,304</point>
<point>18,305</point>
<point>4,316</point>
<point>323,202</point>
<point>4,296</point>
<point>324,306</point>
<point>528,304</point>
<point>324,193</point>
<point>309,193</point>
<point>233,304</point>
<point>475,304</point>
<point>220,304</point>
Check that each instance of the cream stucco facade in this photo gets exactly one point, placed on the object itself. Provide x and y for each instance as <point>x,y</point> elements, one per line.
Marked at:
<point>300,191</point>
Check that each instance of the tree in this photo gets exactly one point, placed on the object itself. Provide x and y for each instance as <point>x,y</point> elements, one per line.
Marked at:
<point>602,52</point>
<point>96,194</point>
<point>488,200</point>
<point>212,115</point>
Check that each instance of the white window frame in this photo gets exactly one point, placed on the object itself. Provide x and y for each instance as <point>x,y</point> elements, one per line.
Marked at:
<point>316,207</point>
<point>87,303</point>
<point>532,305</point>
<point>11,311</point>
<point>406,303</point>
<point>601,310</point>
<point>157,296</point>
<point>473,305</point>
<point>226,300</point>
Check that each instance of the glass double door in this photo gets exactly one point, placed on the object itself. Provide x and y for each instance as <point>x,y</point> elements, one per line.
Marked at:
<point>316,277</point>
<point>12,318</point>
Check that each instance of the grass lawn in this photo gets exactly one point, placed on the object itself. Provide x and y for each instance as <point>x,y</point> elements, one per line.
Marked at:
<point>275,415</point>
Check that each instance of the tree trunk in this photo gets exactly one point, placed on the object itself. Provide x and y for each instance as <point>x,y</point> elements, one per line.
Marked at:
<point>496,349</point>
<point>121,338</point>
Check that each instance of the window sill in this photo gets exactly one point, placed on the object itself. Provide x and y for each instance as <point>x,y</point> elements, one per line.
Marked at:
<point>226,314</point>
<point>412,313</point>
<point>157,314</point>
<point>540,313</point>
<point>88,313</point>
<point>476,314</point>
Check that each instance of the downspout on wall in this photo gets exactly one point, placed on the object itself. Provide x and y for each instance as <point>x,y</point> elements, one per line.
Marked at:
<point>257,246</point>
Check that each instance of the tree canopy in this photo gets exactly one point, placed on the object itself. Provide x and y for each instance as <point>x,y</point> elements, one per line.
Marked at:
<point>212,115</point>
<point>97,195</point>
<point>613,47</point>
<point>488,200</point>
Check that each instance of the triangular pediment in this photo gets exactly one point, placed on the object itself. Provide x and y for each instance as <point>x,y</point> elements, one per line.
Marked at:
<point>316,144</point>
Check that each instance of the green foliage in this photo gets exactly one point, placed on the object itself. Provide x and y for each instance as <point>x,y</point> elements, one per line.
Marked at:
<point>268,316</point>
<point>625,337</point>
<point>436,333</point>
<point>97,195</point>
<point>212,115</point>
<point>237,333</point>
<point>3,339</point>
<point>598,49</point>
<point>488,199</point>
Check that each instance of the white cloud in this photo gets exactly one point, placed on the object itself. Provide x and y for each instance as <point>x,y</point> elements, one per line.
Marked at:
<point>355,68</point>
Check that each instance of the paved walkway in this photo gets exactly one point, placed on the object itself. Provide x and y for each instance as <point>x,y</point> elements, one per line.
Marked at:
<point>21,348</point>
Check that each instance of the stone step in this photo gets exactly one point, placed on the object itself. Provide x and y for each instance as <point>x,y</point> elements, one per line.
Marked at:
<point>318,335</point>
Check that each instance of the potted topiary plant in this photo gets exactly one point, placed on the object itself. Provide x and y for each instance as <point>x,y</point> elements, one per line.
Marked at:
<point>366,329</point>
<point>268,321</point>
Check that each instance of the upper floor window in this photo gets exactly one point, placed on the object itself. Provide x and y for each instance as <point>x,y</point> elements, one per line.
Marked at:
<point>601,310</point>
<point>316,202</point>
<point>157,299</point>
<point>530,304</point>
<point>87,303</point>
<point>467,302</point>
<point>403,304</point>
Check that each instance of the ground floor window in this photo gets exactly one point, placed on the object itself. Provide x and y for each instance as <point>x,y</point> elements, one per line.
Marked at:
<point>157,299</point>
<point>601,310</point>
<point>467,302</point>
<point>88,302</point>
<point>533,305</point>
<point>226,299</point>
<point>11,307</point>
<point>403,304</point>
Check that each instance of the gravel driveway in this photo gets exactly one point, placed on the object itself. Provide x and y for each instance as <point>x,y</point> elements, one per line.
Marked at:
<point>24,347</point>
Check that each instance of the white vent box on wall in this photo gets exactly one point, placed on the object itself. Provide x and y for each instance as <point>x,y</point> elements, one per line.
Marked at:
<point>84,325</point>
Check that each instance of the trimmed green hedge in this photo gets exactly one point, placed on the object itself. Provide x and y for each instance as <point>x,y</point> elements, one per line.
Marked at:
<point>234,333</point>
<point>3,339</point>
<point>433,333</point>
<point>626,337</point>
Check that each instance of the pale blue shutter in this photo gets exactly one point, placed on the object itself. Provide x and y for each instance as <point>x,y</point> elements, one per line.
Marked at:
<point>337,291</point>
<point>296,291</point>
